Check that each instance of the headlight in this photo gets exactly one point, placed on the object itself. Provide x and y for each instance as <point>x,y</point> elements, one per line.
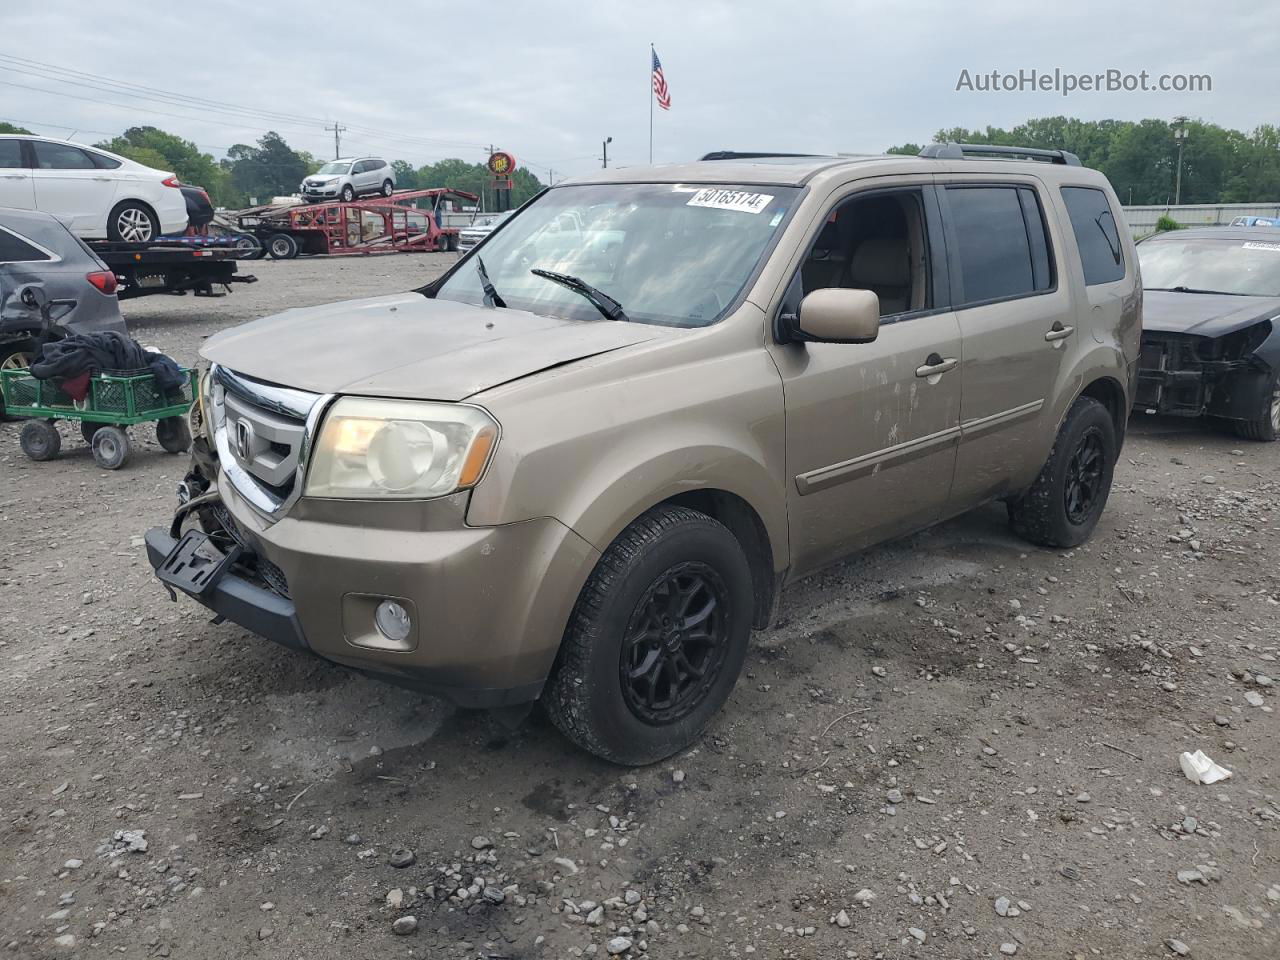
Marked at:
<point>200,409</point>
<point>399,449</point>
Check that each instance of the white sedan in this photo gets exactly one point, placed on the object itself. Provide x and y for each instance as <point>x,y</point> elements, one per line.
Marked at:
<point>94,193</point>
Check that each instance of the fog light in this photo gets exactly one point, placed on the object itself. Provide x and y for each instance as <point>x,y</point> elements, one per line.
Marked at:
<point>392,621</point>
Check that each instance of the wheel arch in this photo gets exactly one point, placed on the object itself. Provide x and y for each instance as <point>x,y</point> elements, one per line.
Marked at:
<point>1109,392</point>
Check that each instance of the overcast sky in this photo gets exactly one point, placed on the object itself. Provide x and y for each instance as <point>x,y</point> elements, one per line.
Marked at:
<point>423,80</point>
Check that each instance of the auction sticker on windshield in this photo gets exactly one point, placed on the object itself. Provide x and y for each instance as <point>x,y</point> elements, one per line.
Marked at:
<point>739,200</point>
<point>1254,245</point>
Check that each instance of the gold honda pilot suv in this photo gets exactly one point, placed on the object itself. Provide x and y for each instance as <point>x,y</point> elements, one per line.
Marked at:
<point>580,466</point>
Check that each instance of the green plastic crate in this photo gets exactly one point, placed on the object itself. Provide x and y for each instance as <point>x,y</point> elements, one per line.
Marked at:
<point>120,397</point>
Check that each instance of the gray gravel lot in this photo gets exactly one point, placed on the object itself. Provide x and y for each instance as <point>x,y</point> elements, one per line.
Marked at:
<point>954,745</point>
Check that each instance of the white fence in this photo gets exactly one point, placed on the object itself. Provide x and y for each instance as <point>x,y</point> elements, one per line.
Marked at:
<point>1142,220</point>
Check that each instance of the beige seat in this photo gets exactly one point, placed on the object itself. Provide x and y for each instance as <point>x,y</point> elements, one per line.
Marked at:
<point>883,266</point>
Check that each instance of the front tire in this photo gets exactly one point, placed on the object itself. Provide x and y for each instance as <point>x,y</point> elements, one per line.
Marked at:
<point>132,222</point>
<point>656,640</point>
<point>1065,502</point>
<point>1267,425</point>
<point>348,193</point>
<point>388,188</point>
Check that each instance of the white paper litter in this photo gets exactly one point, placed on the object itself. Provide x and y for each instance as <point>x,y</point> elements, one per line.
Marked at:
<point>1198,768</point>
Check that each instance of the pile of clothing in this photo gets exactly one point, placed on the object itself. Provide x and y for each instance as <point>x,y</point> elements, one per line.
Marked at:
<point>72,361</point>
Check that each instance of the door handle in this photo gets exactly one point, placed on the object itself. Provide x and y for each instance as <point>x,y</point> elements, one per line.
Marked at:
<point>103,179</point>
<point>1059,332</point>
<point>935,366</point>
<point>15,176</point>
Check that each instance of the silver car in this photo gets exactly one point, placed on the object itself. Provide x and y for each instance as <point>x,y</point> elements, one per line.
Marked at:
<point>36,250</point>
<point>349,178</point>
<point>473,233</point>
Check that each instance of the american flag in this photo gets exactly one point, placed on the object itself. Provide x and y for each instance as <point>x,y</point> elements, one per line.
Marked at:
<point>660,83</point>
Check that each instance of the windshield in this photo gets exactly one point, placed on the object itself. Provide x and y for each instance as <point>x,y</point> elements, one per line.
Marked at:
<point>673,254</point>
<point>334,166</point>
<point>1246,267</point>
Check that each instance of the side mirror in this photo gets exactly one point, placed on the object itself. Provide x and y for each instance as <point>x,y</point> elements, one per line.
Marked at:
<point>839,315</point>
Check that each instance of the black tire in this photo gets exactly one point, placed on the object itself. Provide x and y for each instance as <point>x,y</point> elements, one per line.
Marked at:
<point>348,193</point>
<point>1064,504</point>
<point>453,243</point>
<point>282,246</point>
<point>388,188</point>
<point>111,448</point>
<point>40,439</point>
<point>249,247</point>
<point>173,434</point>
<point>15,355</point>
<point>132,222</point>
<point>597,695</point>
<point>1267,425</point>
<point>88,428</point>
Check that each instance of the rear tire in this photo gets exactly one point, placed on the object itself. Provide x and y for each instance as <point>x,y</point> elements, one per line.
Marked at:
<point>1065,502</point>
<point>111,448</point>
<point>282,246</point>
<point>132,222</point>
<point>88,428</point>
<point>173,434</point>
<point>656,640</point>
<point>15,355</point>
<point>249,247</point>
<point>40,440</point>
<point>1267,426</point>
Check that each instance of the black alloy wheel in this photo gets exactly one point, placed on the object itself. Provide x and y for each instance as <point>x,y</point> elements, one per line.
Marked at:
<point>1084,477</point>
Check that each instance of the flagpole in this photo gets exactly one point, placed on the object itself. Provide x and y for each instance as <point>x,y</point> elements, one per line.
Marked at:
<point>651,104</point>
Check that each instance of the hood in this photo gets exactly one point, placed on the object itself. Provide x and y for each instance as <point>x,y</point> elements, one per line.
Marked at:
<point>1203,314</point>
<point>410,347</point>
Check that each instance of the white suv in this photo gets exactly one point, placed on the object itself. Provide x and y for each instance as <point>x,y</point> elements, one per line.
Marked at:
<point>349,178</point>
<point>94,193</point>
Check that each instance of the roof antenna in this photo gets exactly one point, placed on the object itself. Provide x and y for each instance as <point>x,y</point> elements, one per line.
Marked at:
<point>72,134</point>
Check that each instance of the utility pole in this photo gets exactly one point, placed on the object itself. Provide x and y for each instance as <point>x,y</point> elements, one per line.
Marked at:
<point>604,152</point>
<point>1180,138</point>
<point>337,129</point>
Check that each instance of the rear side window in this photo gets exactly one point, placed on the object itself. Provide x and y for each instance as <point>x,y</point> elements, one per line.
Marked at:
<point>11,154</point>
<point>60,156</point>
<point>13,249</point>
<point>1003,249</point>
<point>1097,234</point>
<point>103,162</point>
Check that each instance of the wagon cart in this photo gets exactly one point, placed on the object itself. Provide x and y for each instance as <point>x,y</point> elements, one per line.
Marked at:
<point>115,400</point>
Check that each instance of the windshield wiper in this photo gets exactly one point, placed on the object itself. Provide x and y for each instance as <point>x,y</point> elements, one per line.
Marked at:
<point>491,297</point>
<point>609,307</point>
<point>1224,293</point>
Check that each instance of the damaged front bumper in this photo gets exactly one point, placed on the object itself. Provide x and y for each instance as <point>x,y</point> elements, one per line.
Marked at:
<point>1191,376</point>
<point>488,604</point>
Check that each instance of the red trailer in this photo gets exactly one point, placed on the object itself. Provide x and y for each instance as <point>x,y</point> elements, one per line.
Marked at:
<point>394,224</point>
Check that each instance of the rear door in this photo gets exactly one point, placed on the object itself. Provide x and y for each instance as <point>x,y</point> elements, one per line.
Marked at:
<point>72,187</point>
<point>16,188</point>
<point>1016,316</point>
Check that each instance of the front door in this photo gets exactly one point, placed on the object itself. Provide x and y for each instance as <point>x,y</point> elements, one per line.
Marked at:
<point>872,428</point>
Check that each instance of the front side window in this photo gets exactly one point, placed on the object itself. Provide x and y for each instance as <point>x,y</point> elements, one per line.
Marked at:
<point>60,156</point>
<point>1003,251</point>
<point>1097,234</point>
<point>668,253</point>
<point>877,243</point>
<point>1248,268</point>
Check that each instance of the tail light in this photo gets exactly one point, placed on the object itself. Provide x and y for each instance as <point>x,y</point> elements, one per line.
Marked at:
<point>171,182</point>
<point>103,280</point>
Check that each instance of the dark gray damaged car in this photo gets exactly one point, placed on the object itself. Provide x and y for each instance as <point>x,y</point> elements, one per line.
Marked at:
<point>1211,328</point>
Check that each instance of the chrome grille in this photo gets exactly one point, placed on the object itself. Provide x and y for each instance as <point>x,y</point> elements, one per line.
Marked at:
<point>262,432</point>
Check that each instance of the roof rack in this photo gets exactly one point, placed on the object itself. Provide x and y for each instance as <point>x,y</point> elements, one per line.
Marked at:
<point>963,151</point>
<point>749,155</point>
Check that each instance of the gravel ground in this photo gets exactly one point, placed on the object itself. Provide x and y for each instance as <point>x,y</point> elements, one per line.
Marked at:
<point>951,746</point>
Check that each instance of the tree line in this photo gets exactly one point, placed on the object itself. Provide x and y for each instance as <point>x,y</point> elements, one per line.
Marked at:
<point>270,167</point>
<point>1140,158</point>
